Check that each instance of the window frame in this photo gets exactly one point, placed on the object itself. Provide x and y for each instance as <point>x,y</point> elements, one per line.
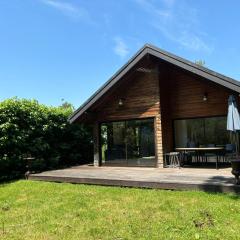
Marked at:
<point>191,118</point>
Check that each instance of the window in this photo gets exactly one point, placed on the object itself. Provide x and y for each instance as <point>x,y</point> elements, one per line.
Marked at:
<point>201,131</point>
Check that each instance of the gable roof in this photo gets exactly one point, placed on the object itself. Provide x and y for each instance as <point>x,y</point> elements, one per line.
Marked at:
<point>162,55</point>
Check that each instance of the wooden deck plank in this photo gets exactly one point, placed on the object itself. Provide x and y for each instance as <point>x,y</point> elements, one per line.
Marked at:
<point>173,179</point>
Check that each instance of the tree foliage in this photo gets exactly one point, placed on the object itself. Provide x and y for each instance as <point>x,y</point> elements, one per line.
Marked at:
<point>200,62</point>
<point>28,128</point>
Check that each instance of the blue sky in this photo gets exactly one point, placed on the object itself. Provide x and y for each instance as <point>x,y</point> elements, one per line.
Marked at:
<point>66,49</point>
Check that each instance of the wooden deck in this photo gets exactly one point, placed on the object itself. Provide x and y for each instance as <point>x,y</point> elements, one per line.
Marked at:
<point>171,178</point>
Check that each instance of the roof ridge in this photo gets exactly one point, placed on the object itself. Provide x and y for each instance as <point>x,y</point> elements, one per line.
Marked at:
<point>203,68</point>
<point>165,56</point>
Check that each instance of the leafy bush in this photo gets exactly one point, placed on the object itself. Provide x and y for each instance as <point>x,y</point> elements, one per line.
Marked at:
<point>28,128</point>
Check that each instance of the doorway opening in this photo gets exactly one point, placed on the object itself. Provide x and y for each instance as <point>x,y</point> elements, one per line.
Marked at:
<point>128,143</point>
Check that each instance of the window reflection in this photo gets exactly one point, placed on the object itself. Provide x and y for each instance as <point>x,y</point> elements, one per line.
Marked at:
<point>200,132</point>
<point>128,143</point>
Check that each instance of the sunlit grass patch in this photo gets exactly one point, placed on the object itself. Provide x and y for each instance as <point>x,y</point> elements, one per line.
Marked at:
<point>41,210</point>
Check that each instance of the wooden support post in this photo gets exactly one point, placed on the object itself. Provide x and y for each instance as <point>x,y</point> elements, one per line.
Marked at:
<point>158,141</point>
<point>96,143</point>
<point>158,127</point>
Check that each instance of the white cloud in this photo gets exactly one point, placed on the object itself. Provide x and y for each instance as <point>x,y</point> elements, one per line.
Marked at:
<point>120,48</point>
<point>194,42</point>
<point>67,9</point>
<point>177,22</point>
<point>169,3</point>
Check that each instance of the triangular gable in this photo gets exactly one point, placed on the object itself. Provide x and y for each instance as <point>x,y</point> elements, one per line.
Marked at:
<point>162,55</point>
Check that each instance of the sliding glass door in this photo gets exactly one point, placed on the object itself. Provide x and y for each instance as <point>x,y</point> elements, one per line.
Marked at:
<point>128,143</point>
<point>113,144</point>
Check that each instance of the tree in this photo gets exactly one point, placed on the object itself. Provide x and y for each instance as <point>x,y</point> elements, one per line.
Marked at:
<point>200,62</point>
<point>30,128</point>
<point>66,105</point>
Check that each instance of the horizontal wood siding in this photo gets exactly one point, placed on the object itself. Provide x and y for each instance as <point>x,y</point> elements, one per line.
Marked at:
<point>165,101</point>
<point>182,97</point>
<point>187,97</point>
<point>170,94</point>
<point>140,100</point>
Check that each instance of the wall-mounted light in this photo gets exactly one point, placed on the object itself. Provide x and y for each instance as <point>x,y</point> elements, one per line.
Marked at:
<point>120,102</point>
<point>205,97</point>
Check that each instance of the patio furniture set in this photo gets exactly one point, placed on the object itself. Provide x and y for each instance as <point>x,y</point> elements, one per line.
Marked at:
<point>191,155</point>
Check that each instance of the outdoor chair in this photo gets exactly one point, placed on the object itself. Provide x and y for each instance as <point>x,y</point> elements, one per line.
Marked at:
<point>191,156</point>
<point>208,155</point>
<point>201,155</point>
<point>221,153</point>
<point>172,159</point>
<point>230,152</point>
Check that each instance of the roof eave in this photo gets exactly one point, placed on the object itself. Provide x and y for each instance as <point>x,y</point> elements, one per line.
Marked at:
<point>102,90</point>
<point>163,55</point>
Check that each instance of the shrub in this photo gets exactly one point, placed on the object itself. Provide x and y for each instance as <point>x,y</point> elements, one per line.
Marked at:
<point>28,128</point>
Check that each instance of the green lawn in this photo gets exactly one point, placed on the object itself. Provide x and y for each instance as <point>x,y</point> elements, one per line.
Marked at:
<point>38,210</point>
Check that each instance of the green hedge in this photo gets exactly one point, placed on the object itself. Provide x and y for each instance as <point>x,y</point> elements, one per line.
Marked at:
<point>28,128</point>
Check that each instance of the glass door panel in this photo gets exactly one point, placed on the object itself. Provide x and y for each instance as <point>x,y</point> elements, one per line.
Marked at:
<point>129,143</point>
<point>113,144</point>
<point>140,142</point>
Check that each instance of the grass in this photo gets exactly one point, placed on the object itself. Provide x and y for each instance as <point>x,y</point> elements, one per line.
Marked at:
<point>40,210</point>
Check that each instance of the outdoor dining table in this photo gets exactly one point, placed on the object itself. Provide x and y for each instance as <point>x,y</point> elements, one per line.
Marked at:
<point>198,150</point>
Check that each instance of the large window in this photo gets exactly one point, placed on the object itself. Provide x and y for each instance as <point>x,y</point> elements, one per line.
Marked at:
<point>128,143</point>
<point>201,131</point>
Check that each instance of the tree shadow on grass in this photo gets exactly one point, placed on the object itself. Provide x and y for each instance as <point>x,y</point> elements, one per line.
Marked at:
<point>6,182</point>
<point>222,184</point>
